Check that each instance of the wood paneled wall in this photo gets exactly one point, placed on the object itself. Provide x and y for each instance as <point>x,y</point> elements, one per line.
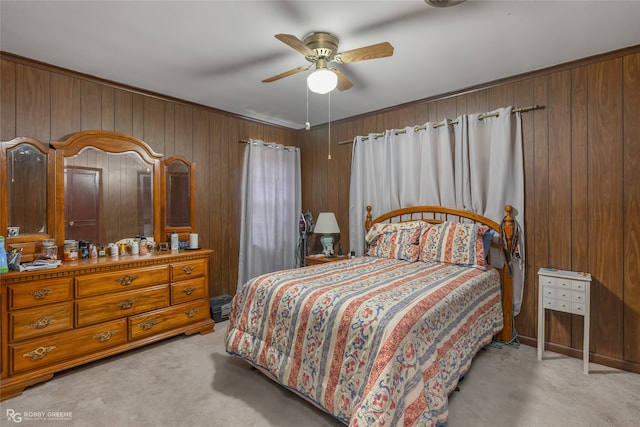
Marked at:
<point>581,153</point>
<point>582,187</point>
<point>48,103</point>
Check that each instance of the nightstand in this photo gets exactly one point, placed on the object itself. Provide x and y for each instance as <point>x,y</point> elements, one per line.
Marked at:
<point>315,260</point>
<point>566,291</point>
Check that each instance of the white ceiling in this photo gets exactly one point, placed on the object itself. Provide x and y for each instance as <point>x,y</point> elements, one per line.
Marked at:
<point>216,53</point>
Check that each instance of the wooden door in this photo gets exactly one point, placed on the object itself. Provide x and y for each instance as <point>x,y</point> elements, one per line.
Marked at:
<point>83,207</point>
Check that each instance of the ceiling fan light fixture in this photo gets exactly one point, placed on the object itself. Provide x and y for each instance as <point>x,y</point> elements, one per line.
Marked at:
<point>322,81</point>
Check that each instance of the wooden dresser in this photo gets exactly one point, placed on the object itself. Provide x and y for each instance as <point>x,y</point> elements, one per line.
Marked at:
<point>83,311</point>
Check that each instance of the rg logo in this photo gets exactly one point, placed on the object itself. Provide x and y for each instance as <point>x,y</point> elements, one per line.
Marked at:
<point>14,416</point>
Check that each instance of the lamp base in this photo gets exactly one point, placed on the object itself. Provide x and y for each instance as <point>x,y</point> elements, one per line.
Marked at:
<point>327,245</point>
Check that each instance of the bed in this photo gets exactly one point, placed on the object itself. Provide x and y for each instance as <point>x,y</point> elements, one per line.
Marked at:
<point>382,339</point>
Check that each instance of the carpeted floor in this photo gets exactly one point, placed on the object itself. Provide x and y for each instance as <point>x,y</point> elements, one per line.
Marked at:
<point>191,381</point>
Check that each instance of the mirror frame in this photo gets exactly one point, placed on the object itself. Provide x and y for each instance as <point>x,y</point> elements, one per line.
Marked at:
<point>4,186</point>
<point>183,232</point>
<point>109,142</point>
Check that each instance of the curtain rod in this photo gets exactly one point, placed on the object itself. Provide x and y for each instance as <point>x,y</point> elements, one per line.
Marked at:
<point>453,122</point>
<point>285,147</point>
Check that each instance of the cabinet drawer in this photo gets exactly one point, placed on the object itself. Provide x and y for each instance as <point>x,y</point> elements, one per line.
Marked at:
<point>153,323</point>
<point>549,291</point>
<point>577,296</point>
<point>66,345</point>
<point>578,308</point>
<point>103,283</point>
<point>107,307</point>
<point>37,321</point>
<point>188,269</point>
<point>187,290</point>
<point>38,293</point>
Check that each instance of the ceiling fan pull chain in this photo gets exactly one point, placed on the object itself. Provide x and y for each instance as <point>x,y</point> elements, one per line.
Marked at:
<point>307,125</point>
<point>329,130</point>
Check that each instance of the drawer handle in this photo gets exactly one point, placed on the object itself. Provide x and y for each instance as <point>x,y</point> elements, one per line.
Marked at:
<point>145,326</point>
<point>188,269</point>
<point>39,352</point>
<point>126,280</point>
<point>126,304</point>
<point>41,293</point>
<point>192,312</point>
<point>106,335</point>
<point>189,290</point>
<point>41,323</point>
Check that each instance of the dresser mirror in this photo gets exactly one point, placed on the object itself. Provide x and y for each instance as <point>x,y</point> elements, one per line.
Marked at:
<point>108,188</point>
<point>179,201</point>
<point>27,190</point>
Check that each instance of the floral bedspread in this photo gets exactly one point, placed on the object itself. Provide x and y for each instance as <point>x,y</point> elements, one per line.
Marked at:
<point>373,341</point>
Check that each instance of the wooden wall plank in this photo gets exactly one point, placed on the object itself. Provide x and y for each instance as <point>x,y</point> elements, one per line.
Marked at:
<point>559,196</point>
<point>7,100</point>
<point>579,189</point>
<point>631,209</point>
<point>108,108</point>
<point>33,95</point>
<point>65,105</point>
<point>605,205</point>
<point>153,122</point>
<point>123,114</point>
<point>90,105</point>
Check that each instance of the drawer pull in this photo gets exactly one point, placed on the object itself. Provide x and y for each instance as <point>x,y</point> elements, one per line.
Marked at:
<point>188,269</point>
<point>41,293</point>
<point>191,312</point>
<point>145,326</point>
<point>189,290</point>
<point>126,304</point>
<point>41,323</point>
<point>106,335</point>
<point>126,280</point>
<point>39,352</point>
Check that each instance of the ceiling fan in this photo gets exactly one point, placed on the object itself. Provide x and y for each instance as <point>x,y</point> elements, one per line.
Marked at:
<point>320,49</point>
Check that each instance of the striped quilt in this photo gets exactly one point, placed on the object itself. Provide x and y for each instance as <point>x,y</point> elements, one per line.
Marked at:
<point>372,341</point>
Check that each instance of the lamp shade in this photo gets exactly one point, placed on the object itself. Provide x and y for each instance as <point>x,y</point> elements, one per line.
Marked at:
<point>322,81</point>
<point>326,224</point>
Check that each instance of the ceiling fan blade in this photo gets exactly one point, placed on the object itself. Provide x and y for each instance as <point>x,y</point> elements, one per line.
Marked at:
<point>286,74</point>
<point>296,43</point>
<point>343,82</point>
<point>380,50</point>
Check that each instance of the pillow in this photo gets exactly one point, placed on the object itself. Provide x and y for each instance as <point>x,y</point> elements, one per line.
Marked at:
<point>395,240</point>
<point>454,243</point>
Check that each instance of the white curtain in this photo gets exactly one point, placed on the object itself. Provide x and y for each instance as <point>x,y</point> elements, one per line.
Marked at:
<point>473,164</point>
<point>271,204</point>
<point>384,171</point>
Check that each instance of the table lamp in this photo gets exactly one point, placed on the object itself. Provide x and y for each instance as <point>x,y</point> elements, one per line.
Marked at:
<point>326,225</point>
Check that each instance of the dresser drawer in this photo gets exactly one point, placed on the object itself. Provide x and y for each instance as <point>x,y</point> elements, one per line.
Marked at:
<point>153,323</point>
<point>188,290</point>
<point>107,307</point>
<point>38,293</point>
<point>66,345</point>
<point>188,269</point>
<point>38,321</point>
<point>103,283</point>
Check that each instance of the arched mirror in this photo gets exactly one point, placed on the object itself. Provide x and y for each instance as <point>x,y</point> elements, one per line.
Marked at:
<point>27,179</point>
<point>109,188</point>
<point>179,201</point>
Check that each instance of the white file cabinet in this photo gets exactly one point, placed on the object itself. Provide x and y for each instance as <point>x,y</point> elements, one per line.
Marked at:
<point>566,291</point>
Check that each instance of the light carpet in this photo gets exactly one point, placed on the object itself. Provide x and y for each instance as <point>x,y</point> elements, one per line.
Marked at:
<point>192,381</point>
